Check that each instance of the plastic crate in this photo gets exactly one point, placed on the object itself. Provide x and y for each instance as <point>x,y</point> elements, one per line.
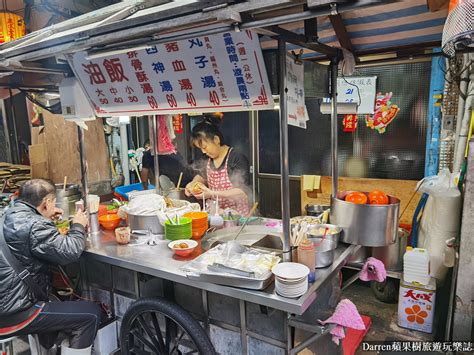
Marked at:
<point>122,191</point>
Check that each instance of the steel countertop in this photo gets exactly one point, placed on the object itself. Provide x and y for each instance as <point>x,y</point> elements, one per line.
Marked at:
<point>160,261</point>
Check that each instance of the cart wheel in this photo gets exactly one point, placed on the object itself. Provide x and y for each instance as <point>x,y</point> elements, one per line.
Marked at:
<point>386,291</point>
<point>157,326</point>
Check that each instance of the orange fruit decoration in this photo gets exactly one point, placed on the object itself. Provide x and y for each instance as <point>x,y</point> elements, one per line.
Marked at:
<point>356,197</point>
<point>377,197</point>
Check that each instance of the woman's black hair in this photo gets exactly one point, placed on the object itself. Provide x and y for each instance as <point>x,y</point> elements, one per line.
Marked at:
<point>208,128</point>
<point>34,191</point>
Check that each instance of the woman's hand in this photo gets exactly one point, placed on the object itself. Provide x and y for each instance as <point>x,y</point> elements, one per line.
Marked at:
<point>81,218</point>
<point>205,193</point>
<point>188,190</point>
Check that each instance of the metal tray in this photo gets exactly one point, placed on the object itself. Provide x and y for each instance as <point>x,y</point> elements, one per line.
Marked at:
<point>241,282</point>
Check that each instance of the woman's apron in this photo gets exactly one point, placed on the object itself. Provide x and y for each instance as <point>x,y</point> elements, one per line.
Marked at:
<point>219,180</point>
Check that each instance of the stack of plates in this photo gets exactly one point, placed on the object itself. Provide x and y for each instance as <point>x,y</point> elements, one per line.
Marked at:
<point>291,279</point>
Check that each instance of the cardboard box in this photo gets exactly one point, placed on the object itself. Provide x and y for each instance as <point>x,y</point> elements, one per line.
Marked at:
<point>39,161</point>
<point>416,306</point>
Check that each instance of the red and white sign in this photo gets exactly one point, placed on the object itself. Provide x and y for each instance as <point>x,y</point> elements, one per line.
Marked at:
<point>222,72</point>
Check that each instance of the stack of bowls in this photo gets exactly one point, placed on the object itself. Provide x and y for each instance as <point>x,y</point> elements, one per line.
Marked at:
<point>291,279</point>
<point>200,223</point>
<point>181,230</point>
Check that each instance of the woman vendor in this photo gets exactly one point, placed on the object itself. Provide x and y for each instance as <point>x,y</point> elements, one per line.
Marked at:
<point>226,175</point>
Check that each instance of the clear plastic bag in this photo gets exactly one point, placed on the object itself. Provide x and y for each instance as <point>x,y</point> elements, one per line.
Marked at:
<point>235,256</point>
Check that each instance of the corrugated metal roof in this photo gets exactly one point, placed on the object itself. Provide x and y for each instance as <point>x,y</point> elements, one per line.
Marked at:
<point>379,27</point>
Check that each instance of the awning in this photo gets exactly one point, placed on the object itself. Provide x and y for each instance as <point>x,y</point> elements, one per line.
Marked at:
<point>378,28</point>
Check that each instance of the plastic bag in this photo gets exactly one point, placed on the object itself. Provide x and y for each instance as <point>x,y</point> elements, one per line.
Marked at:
<point>440,220</point>
<point>441,185</point>
<point>240,257</point>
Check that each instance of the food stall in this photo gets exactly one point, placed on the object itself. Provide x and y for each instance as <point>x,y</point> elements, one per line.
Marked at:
<point>135,79</point>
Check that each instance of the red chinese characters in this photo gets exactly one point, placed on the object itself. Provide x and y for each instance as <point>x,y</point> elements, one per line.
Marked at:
<point>349,123</point>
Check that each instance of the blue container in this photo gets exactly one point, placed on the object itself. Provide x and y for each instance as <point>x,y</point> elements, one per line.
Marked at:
<point>122,191</point>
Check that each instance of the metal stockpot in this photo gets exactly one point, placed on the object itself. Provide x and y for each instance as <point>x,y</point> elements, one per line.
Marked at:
<point>145,223</point>
<point>392,255</point>
<point>315,210</point>
<point>66,199</point>
<point>366,225</point>
<point>175,194</point>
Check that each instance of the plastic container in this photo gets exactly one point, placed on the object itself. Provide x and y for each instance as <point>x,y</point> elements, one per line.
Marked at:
<point>416,266</point>
<point>199,224</point>
<point>183,230</point>
<point>109,221</point>
<point>416,305</point>
<point>307,256</point>
<point>122,191</point>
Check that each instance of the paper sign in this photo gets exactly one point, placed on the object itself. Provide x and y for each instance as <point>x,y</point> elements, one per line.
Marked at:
<point>297,113</point>
<point>222,72</point>
<point>348,93</point>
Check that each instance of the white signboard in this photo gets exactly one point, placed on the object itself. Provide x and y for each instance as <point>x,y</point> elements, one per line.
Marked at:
<point>222,72</point>
<point>297,113</point>
<point>366,87</point>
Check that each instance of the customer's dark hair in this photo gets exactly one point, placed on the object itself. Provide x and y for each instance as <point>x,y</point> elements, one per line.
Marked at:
<point>207,128</point>
<point>34,191</point>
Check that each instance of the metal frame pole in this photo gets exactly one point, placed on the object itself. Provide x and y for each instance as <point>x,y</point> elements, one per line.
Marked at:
<point>284,164</point>
<point>82,155</point>
<point>155,125</point>
<point>334,126</point>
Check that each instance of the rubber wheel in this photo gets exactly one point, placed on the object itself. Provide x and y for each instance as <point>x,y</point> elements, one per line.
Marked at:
<point>158,326</point>
<point>386,291</point>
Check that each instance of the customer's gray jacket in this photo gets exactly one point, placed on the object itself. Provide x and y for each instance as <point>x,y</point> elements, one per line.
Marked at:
<point>35,242</point>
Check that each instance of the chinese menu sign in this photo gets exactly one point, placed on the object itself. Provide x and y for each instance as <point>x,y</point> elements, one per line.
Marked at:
<point>222,72</point>
<point>349,89</point>
<point>297,114</point>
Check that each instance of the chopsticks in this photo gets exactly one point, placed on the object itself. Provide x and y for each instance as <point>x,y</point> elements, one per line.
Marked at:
<point>179,180</point>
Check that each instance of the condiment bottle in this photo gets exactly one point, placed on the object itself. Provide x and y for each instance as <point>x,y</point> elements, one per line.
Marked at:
<point>307,256</point>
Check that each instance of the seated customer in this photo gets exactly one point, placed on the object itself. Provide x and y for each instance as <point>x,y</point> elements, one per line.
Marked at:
<point>34,241</point>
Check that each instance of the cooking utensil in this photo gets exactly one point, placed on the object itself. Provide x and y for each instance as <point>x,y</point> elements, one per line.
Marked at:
<point>216,267</point>
<point>366,225</point>
<point>151,223</point>
<point>254,207</point>
<point>65,183</point>
<point>392,255</point>
<point>179,180</point>
<point>315,210</point>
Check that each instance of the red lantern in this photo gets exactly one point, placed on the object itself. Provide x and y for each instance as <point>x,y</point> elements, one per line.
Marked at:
<point>349,123</point>
<point>178,124</point>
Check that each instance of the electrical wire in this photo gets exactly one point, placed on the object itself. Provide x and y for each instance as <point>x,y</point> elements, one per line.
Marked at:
<point>358,90</point>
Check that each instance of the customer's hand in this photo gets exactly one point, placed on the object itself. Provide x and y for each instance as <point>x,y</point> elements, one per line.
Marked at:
<point>81,218</point>
<point>57,213</point>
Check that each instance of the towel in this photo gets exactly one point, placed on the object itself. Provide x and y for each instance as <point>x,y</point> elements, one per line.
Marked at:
<point>379,274</point>
<point>311,182</point>
<point>345,315</point>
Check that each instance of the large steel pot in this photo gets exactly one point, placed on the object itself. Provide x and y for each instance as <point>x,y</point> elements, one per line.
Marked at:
<point>67,198</point>
<point>366,225</point>
<point>325,246</point>
<point>145,223</point>
<point>392,255</point>
<point>316,210</point>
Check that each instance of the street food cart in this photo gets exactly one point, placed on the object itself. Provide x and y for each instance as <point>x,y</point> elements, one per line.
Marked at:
<point>114,62</point>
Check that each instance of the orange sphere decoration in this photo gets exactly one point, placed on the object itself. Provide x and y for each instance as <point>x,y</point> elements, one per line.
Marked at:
<point>356,197</point>
<point>377,197</point>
